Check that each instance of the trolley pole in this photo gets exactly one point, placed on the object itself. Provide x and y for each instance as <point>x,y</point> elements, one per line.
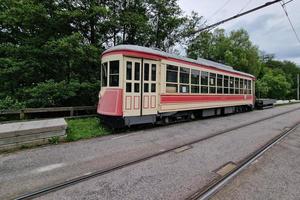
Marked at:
<point>298,86</point>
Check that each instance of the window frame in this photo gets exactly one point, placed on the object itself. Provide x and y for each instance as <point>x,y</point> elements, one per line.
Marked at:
<point>203,84</point>
<point>114,75</point>
<point>195,85</point>
<point>186,71</point>
<point>172,83</point>
<point>222,83</point>
<point>212,76</point>
<point>207,82</point>
<point>102,73</point>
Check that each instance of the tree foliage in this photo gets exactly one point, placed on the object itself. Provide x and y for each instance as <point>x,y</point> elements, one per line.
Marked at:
<point>234,49</point>
<point>276,79</point>
<point>49,50</point>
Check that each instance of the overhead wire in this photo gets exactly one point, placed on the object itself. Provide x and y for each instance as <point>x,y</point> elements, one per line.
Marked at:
<point>245,6</point>
<point>290,22</point>
<point>209,27</point>
<point>218,10</point>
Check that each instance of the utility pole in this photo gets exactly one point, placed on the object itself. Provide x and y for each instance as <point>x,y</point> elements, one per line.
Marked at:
<point>298,86</point>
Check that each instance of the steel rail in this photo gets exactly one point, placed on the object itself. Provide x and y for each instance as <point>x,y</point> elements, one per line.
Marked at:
<point>216,185</point>
<point>101,172</point>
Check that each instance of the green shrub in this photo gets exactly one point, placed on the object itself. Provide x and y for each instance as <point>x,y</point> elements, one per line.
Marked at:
<point>53,140</point>
<point>9,103</point>
<point>51,94</point>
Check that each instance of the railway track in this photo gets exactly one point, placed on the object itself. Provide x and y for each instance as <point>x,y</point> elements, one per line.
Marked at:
<point>59,186</point>
<point>209,190</point>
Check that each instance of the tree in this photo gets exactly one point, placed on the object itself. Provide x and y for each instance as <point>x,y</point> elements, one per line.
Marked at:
<point>273,85</point>
<point>234,49</point>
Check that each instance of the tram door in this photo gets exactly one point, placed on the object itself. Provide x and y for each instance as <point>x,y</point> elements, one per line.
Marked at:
<point>149,92</point>
<point>140,92</point>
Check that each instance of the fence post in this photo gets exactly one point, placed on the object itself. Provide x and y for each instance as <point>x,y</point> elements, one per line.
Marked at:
<point>22,114</point>
<point>72,111</point>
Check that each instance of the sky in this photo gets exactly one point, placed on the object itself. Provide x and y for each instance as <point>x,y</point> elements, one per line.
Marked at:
<point>268,28</point>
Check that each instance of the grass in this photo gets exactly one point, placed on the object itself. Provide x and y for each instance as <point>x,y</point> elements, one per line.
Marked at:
<point>85,128</point>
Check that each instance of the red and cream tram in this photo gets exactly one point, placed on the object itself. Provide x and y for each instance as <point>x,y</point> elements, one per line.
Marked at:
<point>142,85</point>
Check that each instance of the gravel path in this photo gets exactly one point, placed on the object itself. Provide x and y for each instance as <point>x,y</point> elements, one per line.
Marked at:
<point>29,170</point>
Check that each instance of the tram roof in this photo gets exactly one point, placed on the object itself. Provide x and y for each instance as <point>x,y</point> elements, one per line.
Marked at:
<point>200,61</point>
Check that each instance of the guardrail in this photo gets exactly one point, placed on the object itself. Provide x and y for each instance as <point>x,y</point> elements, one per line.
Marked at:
<point>72,110</point>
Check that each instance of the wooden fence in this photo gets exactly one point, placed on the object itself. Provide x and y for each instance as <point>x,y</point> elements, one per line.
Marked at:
<point>71,110</point>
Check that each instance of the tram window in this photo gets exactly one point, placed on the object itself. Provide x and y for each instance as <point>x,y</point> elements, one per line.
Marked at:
<point>204,89</point>
<point>231,85</point>
<point>226,90</point>
<point>212,83</point>
<point>226,82</point>
<point>184,89</point>
<point>236,84</point>
<point>136,87</point>
<point>212,90</point>
<point>114,73</point>
<point>153,72</point>
<point>204,78</point>
<point>219,84</point>
<point>104,74</point>
<point>241,86</point>
<point>171,88</point>
<point>146,72</point>
<point>219,80</point>
<point>219,90</point>
<point>249,86</point>
<point>212,79</point>
<point>195,74</point>
<point>153,87</point>
<point>146,87</point>
<point>194,89</point>
<point>195,80</point>
<point>172,73</point>
<point>184,75</point>
<point>129,71</point>
<point>128,87</point>
<point>137,71</point>
<point>245,87</point>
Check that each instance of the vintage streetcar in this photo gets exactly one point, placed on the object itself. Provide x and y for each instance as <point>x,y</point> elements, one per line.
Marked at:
<point>141,85</point>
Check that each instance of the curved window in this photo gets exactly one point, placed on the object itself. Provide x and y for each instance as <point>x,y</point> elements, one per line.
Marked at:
<point>104,74</point>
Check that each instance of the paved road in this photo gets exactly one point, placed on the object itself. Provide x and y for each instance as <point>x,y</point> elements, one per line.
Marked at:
<point>178,175</point>
<point>275,175</point>
<point>32,169</point>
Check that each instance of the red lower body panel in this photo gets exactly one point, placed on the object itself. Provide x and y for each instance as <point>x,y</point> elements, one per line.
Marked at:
<point>110,102</point>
